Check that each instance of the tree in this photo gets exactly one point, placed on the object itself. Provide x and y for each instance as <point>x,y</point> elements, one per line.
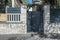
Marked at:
<point>25,2</point>
<point>9,3</point>
<point>51,2</point>
<point>58,3</point>
<point>20,1</point>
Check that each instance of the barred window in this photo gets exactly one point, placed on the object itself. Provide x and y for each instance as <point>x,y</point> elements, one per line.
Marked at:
<point>13,18</point>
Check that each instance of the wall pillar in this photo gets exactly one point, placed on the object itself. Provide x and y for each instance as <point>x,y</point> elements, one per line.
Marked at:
<point>46,18</point>
<point>24,17</point>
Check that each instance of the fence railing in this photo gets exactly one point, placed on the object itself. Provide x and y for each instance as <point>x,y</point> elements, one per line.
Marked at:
<point>13,17</point>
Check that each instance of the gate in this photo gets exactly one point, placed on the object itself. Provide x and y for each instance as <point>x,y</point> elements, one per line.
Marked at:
<point>55,20</point>
<point>35,22</point>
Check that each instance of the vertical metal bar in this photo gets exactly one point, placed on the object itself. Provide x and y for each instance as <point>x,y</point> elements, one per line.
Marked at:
<point>19,17</point>
<point>13,17</point>
<point>9,18</point>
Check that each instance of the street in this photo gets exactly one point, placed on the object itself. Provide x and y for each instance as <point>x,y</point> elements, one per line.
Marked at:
<point>23,37</point>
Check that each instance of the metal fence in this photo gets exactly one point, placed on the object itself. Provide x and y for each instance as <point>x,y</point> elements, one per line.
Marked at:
<point>13,17</point>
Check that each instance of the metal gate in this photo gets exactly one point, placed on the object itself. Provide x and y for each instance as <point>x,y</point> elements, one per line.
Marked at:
<point>35,22</point>
<point>55,20</point>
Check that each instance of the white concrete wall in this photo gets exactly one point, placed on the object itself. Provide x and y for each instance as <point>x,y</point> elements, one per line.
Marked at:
<point>16,28</point>
<point>46,18</point>
<point>12,29</point>
<point>54,28</point>
<point>24,16</point>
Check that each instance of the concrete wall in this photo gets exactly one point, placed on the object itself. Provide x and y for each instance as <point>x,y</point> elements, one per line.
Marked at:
<point>54,28</point>
<point>46,18</point>
<point>18,27</point>
<point>12,28</point>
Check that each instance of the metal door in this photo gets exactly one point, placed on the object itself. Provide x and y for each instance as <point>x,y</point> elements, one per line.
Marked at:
<point>35,22</point>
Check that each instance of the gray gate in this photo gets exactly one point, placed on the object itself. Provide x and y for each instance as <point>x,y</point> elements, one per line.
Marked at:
<point>55,20</point>
<point>35,22</point>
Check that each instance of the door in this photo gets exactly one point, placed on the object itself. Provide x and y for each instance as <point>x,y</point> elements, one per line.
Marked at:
<point>35,22</point>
